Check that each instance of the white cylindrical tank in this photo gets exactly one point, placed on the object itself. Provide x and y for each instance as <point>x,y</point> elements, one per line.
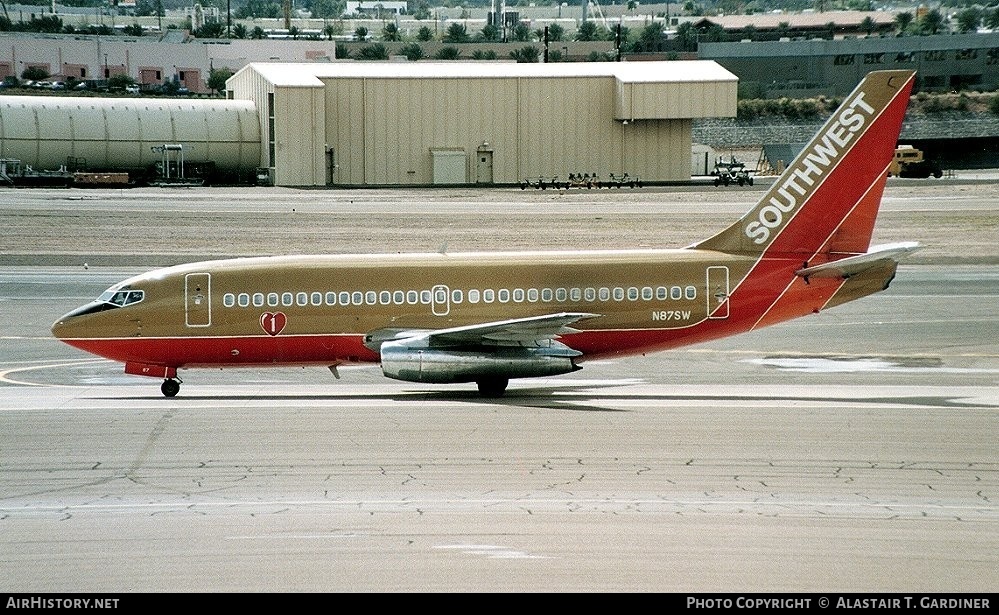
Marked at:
<point>119,133</point>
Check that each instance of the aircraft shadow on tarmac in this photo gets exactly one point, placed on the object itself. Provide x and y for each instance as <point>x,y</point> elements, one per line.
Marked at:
<point>588,400</point>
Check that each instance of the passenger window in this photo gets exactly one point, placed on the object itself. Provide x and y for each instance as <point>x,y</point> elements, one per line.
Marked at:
<point>412,297</point>
<point>317,298</point>
<point>632,294</point>
<point>456,296</point>
<point>590,294</point>
<point>691,292</point>
<point>604,294</point>
<point>518,295</point>
<point>302,298</point>
<point>547,294</point>
<point>330,298</point>
<point>287,299</point>
<point>228,300</point>
<point>272,299</point>
<point>488,295</point>
<point>662,293</point>
<point>385,297</point>
<point>357,298</point>
<point>618,294</point>
<point>532,295</point>
<point>576,294</point>
<point>258,299</point>
<point>561,294</point>
<point>344,298</point>
<point>473,296</point>
<point>371,297</point>
<point>244,300</point>
<point>647,293</point>
<point>398,297</point>
<point>425,297</point>
<point>503,295</point>
<point>675,293</point>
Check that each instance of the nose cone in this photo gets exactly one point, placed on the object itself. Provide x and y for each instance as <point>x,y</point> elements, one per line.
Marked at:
<point>69,325</point>
<point>59,328</point>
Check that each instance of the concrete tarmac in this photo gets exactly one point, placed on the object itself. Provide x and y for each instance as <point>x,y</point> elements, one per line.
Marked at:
<point>852,451</point>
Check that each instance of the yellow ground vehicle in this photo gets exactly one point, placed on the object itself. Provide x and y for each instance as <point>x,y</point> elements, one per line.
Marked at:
<point>909,162</point>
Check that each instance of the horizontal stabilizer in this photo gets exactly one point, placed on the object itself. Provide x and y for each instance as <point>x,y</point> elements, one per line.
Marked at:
<point>852,265</point>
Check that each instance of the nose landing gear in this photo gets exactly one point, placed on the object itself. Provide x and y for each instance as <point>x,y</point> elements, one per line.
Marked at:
<point>170,387</point>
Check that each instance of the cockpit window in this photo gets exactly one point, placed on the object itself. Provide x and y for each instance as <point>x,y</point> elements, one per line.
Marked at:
<point>120,297</point>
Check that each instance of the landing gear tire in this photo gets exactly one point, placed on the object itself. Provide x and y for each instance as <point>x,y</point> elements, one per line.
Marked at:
<point>493,387</point>
<point>170,387</point>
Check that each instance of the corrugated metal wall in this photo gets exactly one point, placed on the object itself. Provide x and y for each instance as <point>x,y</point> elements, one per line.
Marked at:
<point>300,122</point>
<point>383,130</point>
<point>357,128</point>
<point>248,84</point>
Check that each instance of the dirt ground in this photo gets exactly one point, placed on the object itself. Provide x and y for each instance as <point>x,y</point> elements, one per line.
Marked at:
<point>958,222</point>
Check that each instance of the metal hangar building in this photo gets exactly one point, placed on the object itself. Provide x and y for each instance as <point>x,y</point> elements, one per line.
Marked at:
<point>456,123</point>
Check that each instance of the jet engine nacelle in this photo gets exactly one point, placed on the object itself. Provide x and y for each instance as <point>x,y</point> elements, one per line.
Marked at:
<point>446,366</point>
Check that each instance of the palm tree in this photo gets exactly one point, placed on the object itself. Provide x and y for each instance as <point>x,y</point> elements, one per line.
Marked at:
<point>391,34</point>
<point>868,25</point>
<point>491,32</point>
<point>424,34</point>
<point>412,51</point>
<point>968,20</point>
<point>456,33</point>
<point>447,53</point>
<point>526,54</point>
<point>587,31</point>
<point>931,22</point>
<point>902,22</point>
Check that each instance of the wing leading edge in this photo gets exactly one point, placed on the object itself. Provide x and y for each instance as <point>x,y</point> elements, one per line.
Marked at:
<point>525,332</point>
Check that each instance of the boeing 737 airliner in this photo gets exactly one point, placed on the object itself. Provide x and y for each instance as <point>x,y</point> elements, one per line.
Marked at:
<point>490,317</point>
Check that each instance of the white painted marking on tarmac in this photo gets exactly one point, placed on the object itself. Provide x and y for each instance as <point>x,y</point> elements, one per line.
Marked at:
<point>4,375</point>
<point>839,366</point>
<point>492,551</point>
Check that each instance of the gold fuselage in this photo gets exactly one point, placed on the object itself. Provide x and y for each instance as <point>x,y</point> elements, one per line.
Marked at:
<point>319,309</point>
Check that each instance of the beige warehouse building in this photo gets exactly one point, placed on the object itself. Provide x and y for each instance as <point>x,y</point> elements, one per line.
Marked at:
<point>436,123</point>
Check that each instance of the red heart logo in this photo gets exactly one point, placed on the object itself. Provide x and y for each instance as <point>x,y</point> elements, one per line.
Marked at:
<point>273,322</point>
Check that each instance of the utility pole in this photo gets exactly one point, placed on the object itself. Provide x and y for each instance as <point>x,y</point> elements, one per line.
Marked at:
<point>617,41</point>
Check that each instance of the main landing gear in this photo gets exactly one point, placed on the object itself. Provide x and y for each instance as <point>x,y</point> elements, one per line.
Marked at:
<point>492,387</point>
<point>170,387</point>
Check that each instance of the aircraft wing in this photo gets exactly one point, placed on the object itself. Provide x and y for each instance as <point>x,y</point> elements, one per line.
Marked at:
<point>531,331</point>
<point>516,332</point>
<point>852,265</point>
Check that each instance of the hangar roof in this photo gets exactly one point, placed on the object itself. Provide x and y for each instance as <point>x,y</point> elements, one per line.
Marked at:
<point>310,74</point>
